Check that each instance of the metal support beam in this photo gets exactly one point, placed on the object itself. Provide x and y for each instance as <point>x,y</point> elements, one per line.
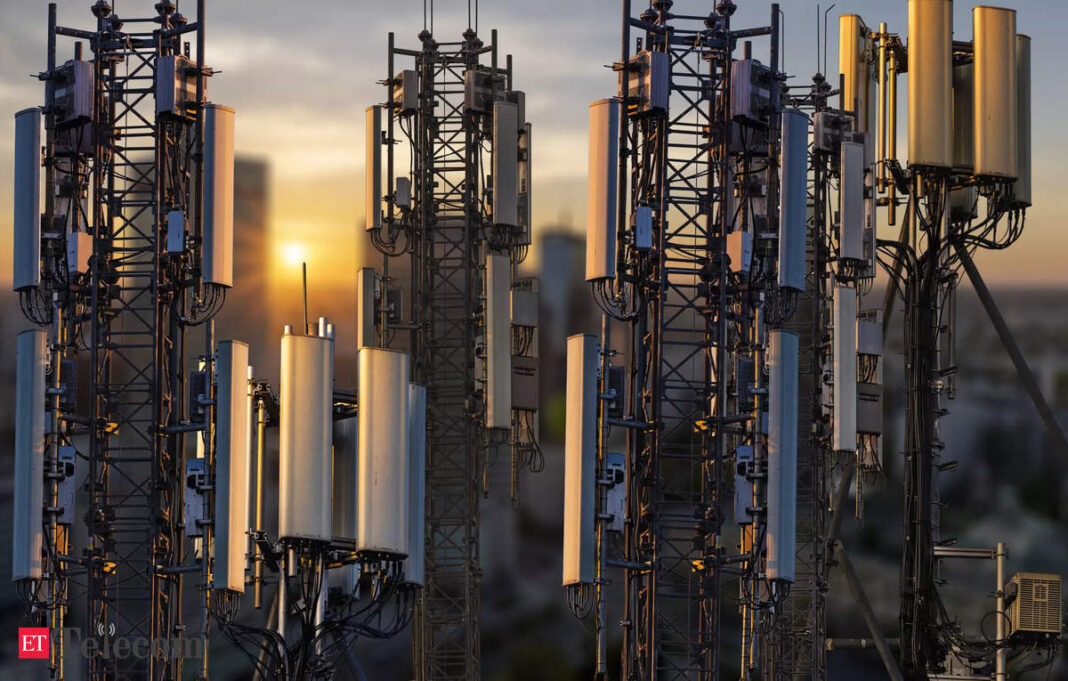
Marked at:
<point>1026,377</point>
<point>881,644</point>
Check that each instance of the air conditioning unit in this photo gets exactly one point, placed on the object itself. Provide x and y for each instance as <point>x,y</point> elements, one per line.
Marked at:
<point>648,79</point>
<point>1036,606</point>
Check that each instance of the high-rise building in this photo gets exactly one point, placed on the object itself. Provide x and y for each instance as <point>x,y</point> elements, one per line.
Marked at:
<point>248,315</point>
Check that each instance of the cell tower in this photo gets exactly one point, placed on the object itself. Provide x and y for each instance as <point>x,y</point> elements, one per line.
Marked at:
<point>840,373</point>
<point>968,122</point>
<point>457,217</point>
<point>968,147</point>
<point>695,244</point>
<point>131,252</point>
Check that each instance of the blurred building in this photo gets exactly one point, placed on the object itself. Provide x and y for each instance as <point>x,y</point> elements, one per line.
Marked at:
<point>248,312</point>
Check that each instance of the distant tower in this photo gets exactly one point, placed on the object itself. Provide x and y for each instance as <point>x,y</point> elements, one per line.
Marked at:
<point>457,218</point>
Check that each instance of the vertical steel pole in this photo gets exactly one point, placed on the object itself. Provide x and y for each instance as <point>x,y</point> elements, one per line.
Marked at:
<point>622,203</point>
<point>1001,656</point>
<point>880,156</point>
<point>257,566</point>
<point>602,539</point>
<point>891,135</point>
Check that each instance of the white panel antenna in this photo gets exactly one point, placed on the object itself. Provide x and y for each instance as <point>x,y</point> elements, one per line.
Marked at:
<point>233,428</point>
<point>994,30</point>
<point>601,195</point>
<point>383,452</point>
<point>305,417</point>
<point>218,265</point>
<point>930,74</point>
<point>580,459</point>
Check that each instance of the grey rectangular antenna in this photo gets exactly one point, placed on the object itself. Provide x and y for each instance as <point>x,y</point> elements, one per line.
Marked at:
<point>1022,189</point>
<point>27,534</point>
<point>782,455</point>
<point>26,253</point>
<point>794,191</point>
<point>365,311</point>
<point>415,565</point>
<point>526,204</point>
<point>498,341</point>
<point>505,165</point>
<point>343,517</point>
<point>851,194</point>
<point>844,421</point>
<point>373,169</point>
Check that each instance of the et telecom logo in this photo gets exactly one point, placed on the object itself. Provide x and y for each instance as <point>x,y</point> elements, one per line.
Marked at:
<point>33,643</point>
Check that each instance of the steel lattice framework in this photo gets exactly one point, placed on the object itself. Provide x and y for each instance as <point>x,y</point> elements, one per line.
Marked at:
<point>799,631</point>
<point>691,322</point>
<point>119,173</point>
<point>450,232</point>
<point>449,288</point>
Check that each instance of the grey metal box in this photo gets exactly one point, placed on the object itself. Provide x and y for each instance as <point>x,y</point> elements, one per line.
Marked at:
<point>869,337</point>
<point>869,408</point>
<point>524,308</point>
<point>524,383</point>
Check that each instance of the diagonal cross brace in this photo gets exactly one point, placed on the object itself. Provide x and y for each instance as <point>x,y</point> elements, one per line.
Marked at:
<point>1026,377</point>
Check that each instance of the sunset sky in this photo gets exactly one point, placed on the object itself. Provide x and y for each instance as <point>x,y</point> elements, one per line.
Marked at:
<point>300,75</point>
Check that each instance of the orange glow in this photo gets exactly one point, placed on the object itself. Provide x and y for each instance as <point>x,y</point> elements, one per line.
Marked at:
<point>293,253</point>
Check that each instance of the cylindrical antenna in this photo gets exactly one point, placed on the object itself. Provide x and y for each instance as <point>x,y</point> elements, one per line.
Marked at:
<point>304,278</point>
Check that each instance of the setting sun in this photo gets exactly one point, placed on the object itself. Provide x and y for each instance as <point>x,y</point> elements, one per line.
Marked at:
<point>293,253</point>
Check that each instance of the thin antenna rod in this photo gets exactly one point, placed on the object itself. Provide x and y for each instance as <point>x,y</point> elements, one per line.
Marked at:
<point>304,276</point>
<point>825,36</point>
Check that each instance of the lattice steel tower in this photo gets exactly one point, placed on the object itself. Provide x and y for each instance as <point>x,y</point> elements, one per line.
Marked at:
<point>457,215</point>
<point>696,244</point>
<point>132,251</point>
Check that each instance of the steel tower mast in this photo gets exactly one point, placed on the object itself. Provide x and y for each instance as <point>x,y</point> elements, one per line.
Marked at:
<point>688,251</point>
<point>698,339</point>
<point>129,262</point>
<point>459,217</point>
